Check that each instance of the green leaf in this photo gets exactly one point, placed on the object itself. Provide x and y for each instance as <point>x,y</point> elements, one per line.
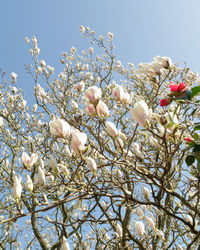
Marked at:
<point>190,159</point>
<point>197,127</point>
<point>195,136</point>
<point>195,91</point>
<point>196,148</point>
<point>198,165</point>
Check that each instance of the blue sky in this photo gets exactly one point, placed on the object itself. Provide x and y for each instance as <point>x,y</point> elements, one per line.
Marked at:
<point>142,29</point>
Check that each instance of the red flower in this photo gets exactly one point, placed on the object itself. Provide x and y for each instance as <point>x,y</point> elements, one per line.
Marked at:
<point>188,139</point>
<point>178,88</point>
<point>165,102</point>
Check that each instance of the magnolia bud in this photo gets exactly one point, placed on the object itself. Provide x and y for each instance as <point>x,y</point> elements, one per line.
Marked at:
<point>119,231</point>
<point>41,176</point>
<point>17,188</point>
<point>74,105</point>
<point>91,163</point>
<point>111,129</point>
<point>29,183</point>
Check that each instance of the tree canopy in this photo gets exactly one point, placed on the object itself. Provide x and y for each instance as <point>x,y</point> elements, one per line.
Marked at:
<point>108,157</point>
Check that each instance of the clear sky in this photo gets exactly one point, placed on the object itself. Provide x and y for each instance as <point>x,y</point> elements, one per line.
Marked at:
<point>142,29</point>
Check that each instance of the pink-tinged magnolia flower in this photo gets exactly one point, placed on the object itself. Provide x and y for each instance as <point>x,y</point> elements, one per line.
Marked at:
<point>102,109</point>
<point>80,86</point>
<point>140,113</point>
<point>93,94</point>
<point>139,227</point>
<point>165,102</point>
<point>78,141</point>
<point>188,139</point>
<point>91,163</point>
<point>29,161</point>
<point>111,129</point>
<point>178,88</point>
<point>118,92</point>
<point>90,109</point>
<point>65,244</point>
<point>59,128</point>
<point>126,98</point>
<point>17,188</point>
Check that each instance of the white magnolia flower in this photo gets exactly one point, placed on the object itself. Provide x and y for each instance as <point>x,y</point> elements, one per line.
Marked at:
<point>150,222</point>
<point>13,76</point>
<point>1,121</point>
<point>91,163</point>
<point>140,113</point>
<point>154,142</point>
<point>137,150</point>
<point>146,192</point>
<point>42,64</point>
<point>139,227</point>
<point>53,164</point>
<point>74,105</point>
<point>17,188</point>
<point>65,244</point>
<point>29,183</point>
<point>189,219</point>
<point>119,230</point>
<point>41,176</point>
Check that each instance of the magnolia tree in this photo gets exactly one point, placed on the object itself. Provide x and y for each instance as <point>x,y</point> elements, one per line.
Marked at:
<point>108,157</point>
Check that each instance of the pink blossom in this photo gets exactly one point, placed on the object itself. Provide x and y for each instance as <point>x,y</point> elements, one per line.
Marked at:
<point>78,141</point>
<point>93,94</point>
<point>90,109</point>
<point>102,109</point>
<point>29,161</point>
<point>59,127</point>
<point>111,129</point>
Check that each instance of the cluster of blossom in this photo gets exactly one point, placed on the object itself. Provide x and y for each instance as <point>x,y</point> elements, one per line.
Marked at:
<point>154,68</point>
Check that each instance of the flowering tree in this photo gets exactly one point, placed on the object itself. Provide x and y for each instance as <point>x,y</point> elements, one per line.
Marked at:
<point>98,165</point>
